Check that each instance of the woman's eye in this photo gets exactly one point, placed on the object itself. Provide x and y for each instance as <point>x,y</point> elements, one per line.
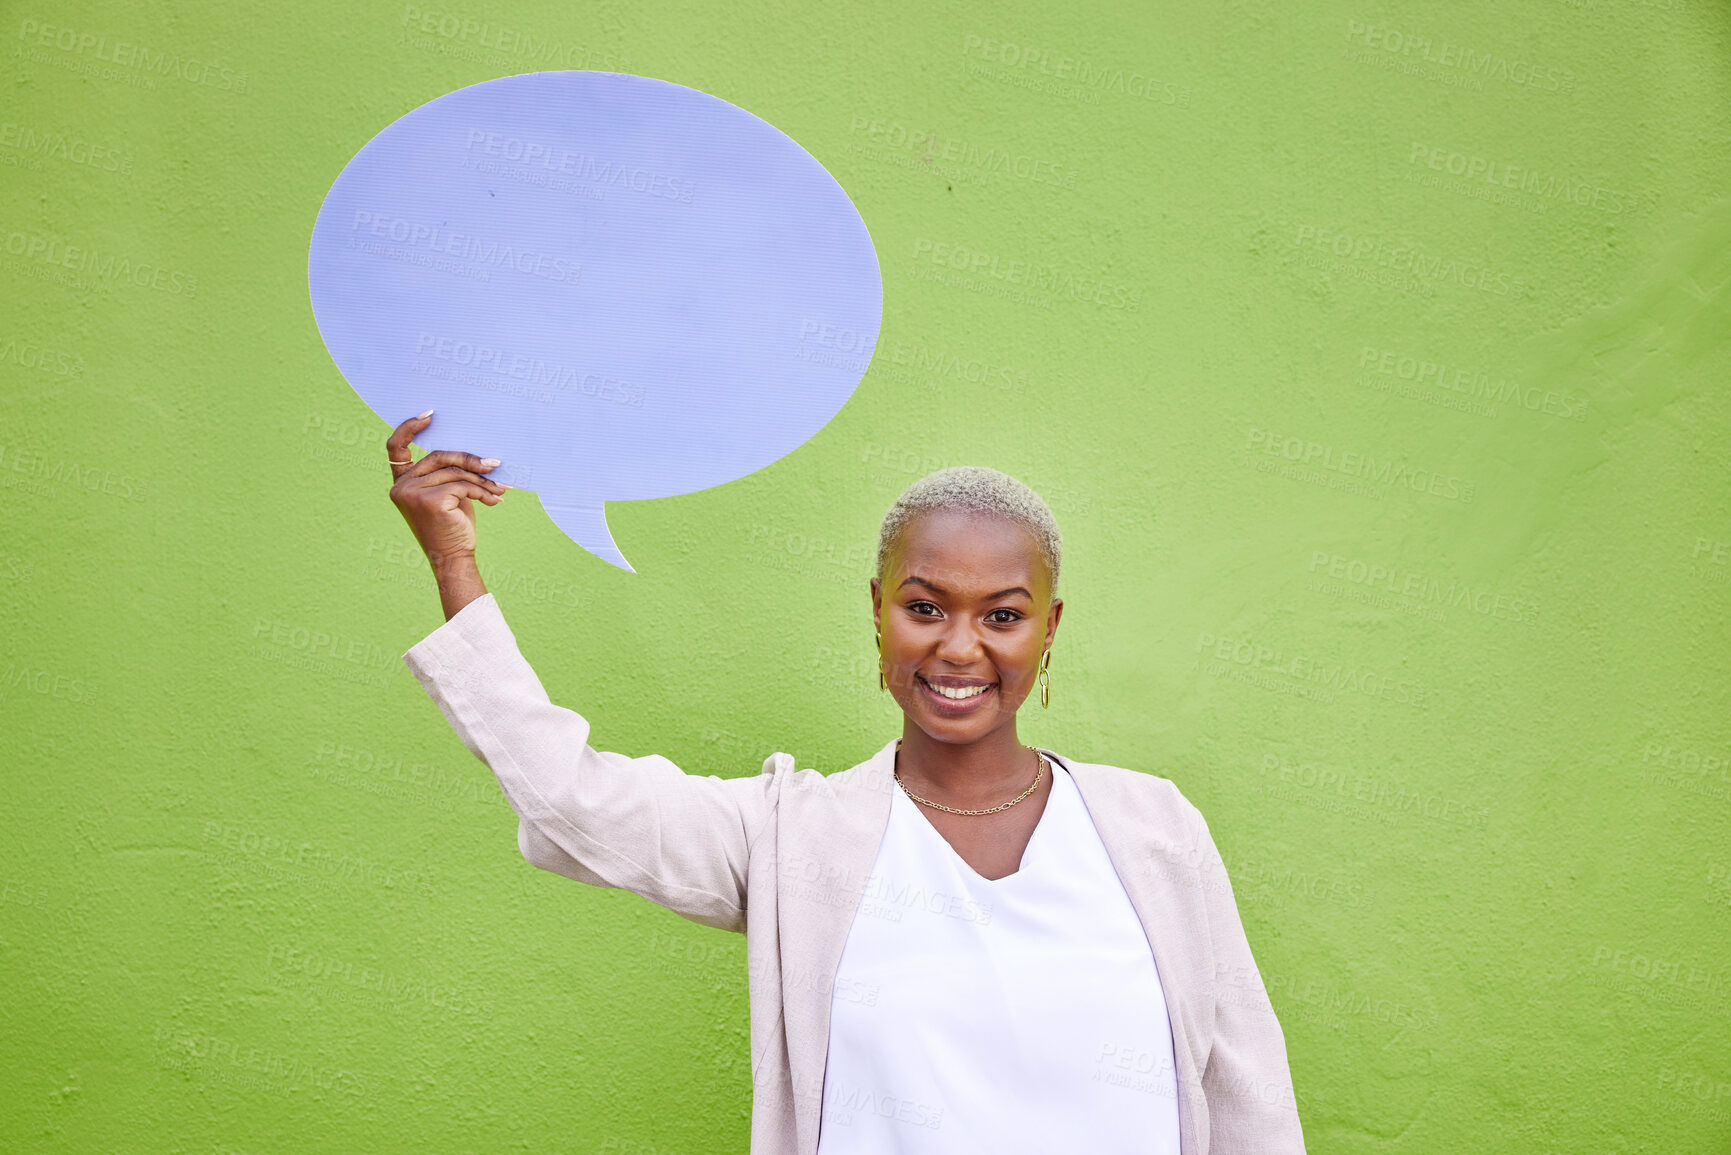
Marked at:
<point>921,608</point>
<point>1010,616</point>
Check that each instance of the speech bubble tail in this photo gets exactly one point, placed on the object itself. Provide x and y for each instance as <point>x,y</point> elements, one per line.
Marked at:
<point>587,526</point>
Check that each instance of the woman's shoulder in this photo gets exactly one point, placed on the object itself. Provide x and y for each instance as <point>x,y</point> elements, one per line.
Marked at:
<point>1141,789</point>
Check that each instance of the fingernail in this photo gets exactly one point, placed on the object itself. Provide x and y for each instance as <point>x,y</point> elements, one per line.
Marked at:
<point>419,416</point>
<point>489,462</point>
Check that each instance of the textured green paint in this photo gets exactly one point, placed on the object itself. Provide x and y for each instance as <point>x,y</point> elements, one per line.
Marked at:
<point>255,896</point>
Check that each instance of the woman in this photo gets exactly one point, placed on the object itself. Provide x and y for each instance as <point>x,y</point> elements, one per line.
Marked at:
<point>962,944</point>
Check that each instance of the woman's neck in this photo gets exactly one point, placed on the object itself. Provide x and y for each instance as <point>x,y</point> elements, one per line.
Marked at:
<point>976,775</point>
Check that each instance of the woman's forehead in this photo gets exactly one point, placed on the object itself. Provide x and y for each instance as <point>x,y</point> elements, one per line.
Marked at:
<point>964,550</point>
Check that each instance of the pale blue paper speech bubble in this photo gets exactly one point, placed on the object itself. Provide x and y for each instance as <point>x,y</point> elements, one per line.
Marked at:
<point>620,287</point>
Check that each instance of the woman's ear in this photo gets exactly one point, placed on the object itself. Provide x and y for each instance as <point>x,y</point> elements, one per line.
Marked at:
<point>1052,616</point>
<point>877,606</point>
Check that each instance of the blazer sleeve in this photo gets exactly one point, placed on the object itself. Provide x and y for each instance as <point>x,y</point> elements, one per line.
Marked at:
<point>1252,1109</point>
<point>638,824</point>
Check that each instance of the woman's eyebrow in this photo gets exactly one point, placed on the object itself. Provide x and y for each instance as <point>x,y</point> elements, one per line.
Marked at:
<point>937,589</point>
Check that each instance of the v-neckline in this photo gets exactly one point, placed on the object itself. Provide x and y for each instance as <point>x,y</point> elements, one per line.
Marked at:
<point>1027,851</point>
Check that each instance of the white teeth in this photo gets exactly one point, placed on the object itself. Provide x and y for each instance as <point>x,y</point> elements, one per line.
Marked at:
<point>959,692</point>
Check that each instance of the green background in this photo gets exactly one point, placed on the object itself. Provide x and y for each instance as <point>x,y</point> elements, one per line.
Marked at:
<point>1440,653</point>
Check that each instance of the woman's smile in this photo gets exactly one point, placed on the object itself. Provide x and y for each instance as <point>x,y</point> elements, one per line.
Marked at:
<point>955,696</point>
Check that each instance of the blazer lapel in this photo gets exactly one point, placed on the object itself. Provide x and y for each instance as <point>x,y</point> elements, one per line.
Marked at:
<point>829,839</point>
<point>1148,852</point>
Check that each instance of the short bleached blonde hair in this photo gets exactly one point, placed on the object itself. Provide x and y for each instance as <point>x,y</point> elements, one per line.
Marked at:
<point>976,489</point>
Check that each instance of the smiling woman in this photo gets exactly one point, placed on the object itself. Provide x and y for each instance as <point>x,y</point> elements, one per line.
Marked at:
<point>962,944</point>
<point>966,620</point>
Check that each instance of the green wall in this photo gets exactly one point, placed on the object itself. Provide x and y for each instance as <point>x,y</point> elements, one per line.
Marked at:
<point>1373,357</point>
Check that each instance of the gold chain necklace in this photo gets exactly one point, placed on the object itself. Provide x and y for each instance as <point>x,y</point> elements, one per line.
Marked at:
<point>1039,771</point>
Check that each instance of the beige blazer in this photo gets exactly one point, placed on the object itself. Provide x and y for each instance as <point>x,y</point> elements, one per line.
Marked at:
<point>784,856</point>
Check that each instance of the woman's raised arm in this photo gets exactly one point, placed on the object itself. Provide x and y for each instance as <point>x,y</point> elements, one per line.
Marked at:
<point>639,824</point>
<point>682,841</point>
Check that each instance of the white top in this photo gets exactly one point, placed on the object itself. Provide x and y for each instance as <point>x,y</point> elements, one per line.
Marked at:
<point>1023,1014</point>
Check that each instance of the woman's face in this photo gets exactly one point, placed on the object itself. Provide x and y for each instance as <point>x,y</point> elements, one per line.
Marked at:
<point>965,609</point>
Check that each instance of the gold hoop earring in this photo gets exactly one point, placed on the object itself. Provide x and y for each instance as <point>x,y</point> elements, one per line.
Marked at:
<point>1045,680</point>
<point>879,640</point>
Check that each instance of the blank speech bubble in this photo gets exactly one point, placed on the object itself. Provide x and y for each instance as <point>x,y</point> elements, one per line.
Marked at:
<point>620,287</point>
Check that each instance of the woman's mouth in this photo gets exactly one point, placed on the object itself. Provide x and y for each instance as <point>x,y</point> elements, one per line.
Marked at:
<point>956,697</point>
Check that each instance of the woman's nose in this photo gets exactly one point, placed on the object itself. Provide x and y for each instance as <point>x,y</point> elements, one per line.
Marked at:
<point>960,643</point>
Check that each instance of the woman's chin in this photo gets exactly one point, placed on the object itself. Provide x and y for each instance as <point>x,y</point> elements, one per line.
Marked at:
<point>956,730</point>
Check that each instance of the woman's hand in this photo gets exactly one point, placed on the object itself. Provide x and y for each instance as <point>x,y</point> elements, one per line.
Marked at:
<point>436,496</point>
